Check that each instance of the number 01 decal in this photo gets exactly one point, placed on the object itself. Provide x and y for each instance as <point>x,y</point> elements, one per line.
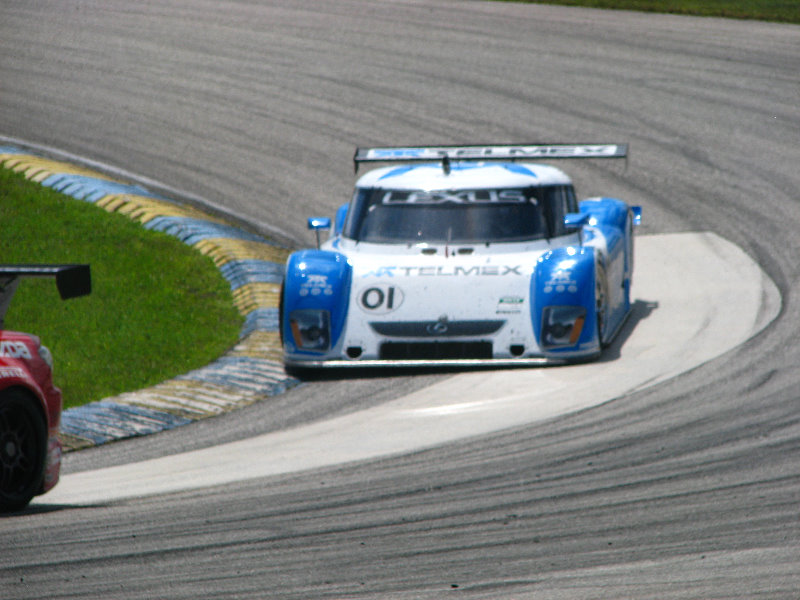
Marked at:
<point>380,298</point>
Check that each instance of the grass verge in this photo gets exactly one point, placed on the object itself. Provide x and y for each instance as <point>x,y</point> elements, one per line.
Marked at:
<point>786,11</point>
<point>158,307</point>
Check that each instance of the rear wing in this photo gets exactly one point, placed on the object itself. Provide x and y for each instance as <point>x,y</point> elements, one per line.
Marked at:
<point>483,153</point>
<point>71,280</point>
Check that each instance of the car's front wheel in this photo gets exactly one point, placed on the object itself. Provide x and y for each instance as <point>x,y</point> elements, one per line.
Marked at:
<point>23,449</point>
<point>601,303</point>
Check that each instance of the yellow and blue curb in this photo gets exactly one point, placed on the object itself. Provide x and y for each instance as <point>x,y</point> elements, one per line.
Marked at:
<point>252,265</point>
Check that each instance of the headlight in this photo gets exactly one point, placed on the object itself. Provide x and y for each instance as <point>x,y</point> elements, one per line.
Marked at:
<point>46,356</point>
<point>562,325</point>
<point>311,329</point>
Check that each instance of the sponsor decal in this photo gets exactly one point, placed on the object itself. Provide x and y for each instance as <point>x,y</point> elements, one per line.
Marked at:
<point>380,298</point>
<point>447,271</point>
<point>511,196</point>
<point>316,285</point>
<point>14,350</point>
<point>477,152</point>
<point>561,281</point>
<point>510,305</point>
<point>12,373</point>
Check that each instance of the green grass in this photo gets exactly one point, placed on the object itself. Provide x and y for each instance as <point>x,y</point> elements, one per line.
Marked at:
<point>787,11</point>
<point>158,308</point>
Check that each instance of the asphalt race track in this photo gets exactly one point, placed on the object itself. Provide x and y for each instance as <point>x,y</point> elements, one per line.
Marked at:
<point>691,323</point>
<point>689,488</point>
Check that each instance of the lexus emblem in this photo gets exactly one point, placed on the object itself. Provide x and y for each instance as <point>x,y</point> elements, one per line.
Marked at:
<point>438,328</point>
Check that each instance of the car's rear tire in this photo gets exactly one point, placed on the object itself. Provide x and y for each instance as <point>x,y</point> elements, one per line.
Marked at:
<point>23,449</point>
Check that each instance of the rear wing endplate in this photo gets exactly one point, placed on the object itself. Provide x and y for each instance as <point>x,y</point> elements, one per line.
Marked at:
<point>71,280</point>
<point>483,153</point>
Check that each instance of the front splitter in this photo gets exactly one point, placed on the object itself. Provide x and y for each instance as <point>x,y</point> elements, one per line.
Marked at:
<point>430,364</point>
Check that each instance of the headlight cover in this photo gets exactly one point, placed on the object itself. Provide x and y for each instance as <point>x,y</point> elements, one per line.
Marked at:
<point>562,326</point>
<point>46,356</point>
<point>311,329</point>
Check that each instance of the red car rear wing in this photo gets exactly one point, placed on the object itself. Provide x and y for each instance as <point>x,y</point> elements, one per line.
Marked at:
<point>71,280</point>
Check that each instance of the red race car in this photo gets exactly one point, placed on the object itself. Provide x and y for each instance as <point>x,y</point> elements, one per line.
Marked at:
<point>30,405</point>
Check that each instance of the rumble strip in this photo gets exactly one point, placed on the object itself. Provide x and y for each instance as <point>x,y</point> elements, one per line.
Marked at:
<point>253,267</point>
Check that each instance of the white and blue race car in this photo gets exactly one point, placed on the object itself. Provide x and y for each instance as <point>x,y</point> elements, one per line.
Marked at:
<point>456,256</point>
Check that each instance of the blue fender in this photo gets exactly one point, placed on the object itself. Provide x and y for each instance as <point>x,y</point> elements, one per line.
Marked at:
<point>610,216</point>
<point>563,302</point>
<point>615,220</point>
<point>608,212</point>
<point>316,281</point>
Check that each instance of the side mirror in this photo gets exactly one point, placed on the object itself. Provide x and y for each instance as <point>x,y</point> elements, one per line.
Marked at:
<point>576,220</point>
<point>636,211</point>
<point>318,223</point>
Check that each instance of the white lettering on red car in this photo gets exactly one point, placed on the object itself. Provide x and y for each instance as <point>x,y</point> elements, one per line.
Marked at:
<point>14,350</point>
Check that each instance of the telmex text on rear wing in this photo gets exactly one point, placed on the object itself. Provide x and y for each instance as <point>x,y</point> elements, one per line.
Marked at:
<point>71,280</point>
<point>508,152</point>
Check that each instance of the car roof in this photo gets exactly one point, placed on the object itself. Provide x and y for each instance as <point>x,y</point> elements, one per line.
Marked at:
<point>463,175</point>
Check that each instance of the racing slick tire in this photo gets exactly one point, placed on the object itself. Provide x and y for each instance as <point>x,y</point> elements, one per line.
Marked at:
<point>601,304</point>
<point>23,449</point>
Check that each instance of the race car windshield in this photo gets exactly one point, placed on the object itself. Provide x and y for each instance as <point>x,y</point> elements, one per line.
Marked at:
<point>463,216</point>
